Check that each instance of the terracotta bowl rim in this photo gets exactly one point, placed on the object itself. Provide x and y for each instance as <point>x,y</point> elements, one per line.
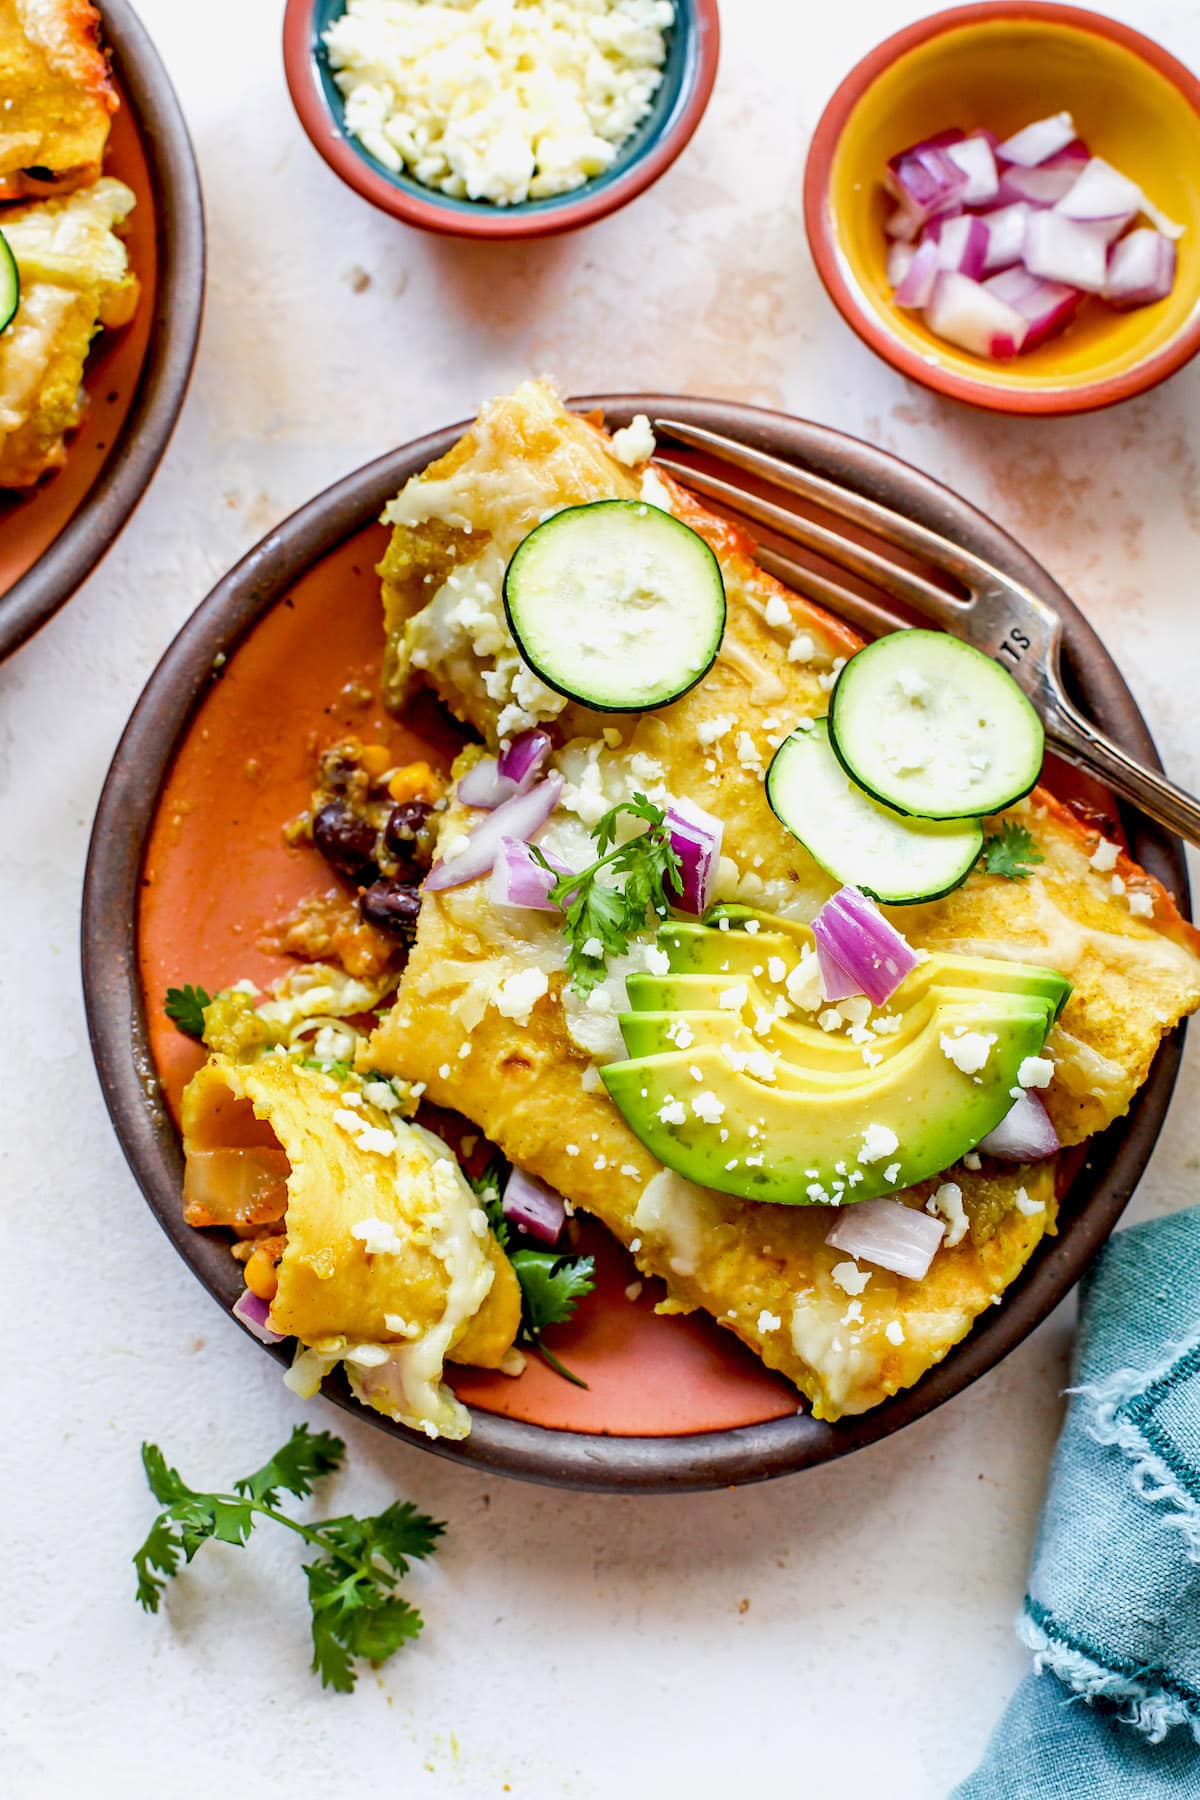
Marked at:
<point>117,1024</point>
<point>170,352</point>
<point>1141,376</point>
<point>497,223</point>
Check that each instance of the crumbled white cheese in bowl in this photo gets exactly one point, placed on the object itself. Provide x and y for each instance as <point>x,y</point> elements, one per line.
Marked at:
<point>498,100</point>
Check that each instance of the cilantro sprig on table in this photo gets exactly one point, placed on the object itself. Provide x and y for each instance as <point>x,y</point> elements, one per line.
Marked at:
<point>1012,852</point>
<point>594,911</point>
<point>185,1006</point>
<point>356,1613</point>
<point>552,1285</point>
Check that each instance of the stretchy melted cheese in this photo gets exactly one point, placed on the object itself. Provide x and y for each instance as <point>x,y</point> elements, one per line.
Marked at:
<point>481,1016</point>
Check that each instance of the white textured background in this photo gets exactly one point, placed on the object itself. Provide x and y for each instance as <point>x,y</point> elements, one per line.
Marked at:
<point>844,1632</point>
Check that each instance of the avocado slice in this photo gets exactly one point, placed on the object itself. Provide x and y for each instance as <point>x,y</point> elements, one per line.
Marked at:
<point>790,1106</point>
<point>814,1137</point>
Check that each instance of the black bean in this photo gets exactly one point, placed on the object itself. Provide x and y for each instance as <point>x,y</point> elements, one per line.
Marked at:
<point>393,906</point>
<point>405,823</point>
<point>345,840</point>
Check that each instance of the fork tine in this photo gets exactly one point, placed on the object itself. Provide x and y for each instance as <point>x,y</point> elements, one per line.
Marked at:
<point>843,602</point>
<point>901,584</point>
<point>847,503</point>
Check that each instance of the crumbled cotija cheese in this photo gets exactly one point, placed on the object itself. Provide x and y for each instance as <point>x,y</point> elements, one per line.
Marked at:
<point>500,100</point>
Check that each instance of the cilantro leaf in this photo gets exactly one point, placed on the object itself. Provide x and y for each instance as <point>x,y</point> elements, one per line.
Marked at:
<point>596,912</point>
<point>185,1006</point>
<point>356,1614</point>
<point>551,1286</point>
<point>304,1459</point>
<point>1012,852</point>
<point>488,1189</point>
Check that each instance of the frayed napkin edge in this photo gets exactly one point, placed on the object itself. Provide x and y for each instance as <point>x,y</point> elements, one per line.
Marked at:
<point>1152,1711</point>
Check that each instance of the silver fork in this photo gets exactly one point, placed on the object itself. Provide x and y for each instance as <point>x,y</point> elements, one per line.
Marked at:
<point>998,615</point>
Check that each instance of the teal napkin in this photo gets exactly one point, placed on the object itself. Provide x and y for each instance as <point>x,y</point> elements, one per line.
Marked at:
<point>1112,1711</point>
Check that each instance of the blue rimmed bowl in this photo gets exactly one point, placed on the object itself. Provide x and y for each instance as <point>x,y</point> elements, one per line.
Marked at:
<point>688,77</point>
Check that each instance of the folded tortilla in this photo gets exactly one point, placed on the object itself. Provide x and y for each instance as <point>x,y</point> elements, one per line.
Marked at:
<point>483,1017</point>
<point>389,1264</point>
<point>75,279</point>
<point>56,97</point>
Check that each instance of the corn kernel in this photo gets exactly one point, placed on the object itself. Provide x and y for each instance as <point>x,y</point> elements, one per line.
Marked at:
<point>416,781</point>
<point>376,759</point>
<point>261,1276</point>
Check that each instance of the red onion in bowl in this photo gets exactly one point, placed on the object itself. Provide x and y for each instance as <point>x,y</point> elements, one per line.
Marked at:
<point>962,243</point>
<point>1025,1134</point>
<point>533,1207</point>
<point>1141,269</point>
<point>888,1234</point>
<point>975,156</point>
<point>1103,198</point>
<point>696,838</point>
<point>1046,184</point>
<point>519,817</point>
<point>1006,236</point>
<point>1047,305</point>
<point>964,313</point>
<point>1062,249</point>
<point>253,1314</point>
<point>1038,142</point>
<point>856,941</point>
<point>925,181</point>
<point>915,290</point>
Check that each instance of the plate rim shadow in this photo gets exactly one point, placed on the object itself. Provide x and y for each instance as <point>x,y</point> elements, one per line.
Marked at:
<point>1101,1187</point>
<point>170,354</point>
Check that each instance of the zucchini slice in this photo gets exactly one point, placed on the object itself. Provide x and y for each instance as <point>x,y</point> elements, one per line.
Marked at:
<point>933,727</point>
<point>616,604</point>
<point>10,284</point>
<point>891,858</point>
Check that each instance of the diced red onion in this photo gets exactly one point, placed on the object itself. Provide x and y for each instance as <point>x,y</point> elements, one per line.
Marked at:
<point>1006,236</point>
<point>522,761</point>
<point>696,838</point>
<point>964,313</point>
<point>888,1234</point>
<point>1047,183</point>
<point>901,225</point>
<point>916,289</point>
<point>519,817</point>
<point>854,935</point>
<point>899,262</point>
<point>1025,1134</point>
<point>1038,142</point>
<point>1047,305</point>
<point>1102,198</point>
<point>962,243</point>
<point>533,1207</point>
<point>253,1314</point>
<point>837,983</point>
<point>925,181</point>
<point>518,878</point>
<point>492,780</point>
<point>1062,249</point>
<point>975,157</point>
<point>1141,269</point>
<point>484,786</point>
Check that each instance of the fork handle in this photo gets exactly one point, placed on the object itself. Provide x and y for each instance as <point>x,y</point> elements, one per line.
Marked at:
<point>1080,742</point>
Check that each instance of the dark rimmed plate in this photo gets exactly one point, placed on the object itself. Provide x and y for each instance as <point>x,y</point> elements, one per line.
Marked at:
<point>1101,1184</point>
<point>55,534</point>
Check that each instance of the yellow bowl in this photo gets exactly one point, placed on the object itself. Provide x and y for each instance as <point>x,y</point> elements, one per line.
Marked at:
<point>1001,66</point>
